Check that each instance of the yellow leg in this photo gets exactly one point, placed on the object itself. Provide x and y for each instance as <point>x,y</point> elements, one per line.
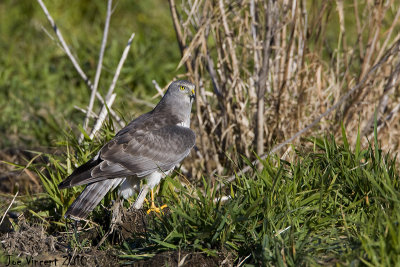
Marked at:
<point>153,206</point>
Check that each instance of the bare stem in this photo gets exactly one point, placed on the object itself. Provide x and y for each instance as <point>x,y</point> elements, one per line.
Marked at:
<point>64,44</point>
<point>110,97</point>
<point>99,66</point>
<point>102,116</point>
<point>158,88</point>
<point>263,76</point>
<point>65,47</point>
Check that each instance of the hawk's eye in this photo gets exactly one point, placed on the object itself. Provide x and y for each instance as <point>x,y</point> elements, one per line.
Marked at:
<point>182,88</point>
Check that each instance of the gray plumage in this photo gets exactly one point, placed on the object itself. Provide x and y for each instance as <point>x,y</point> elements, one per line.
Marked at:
<point>148,147</point>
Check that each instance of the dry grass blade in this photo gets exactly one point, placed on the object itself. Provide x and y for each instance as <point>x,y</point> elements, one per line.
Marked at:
<point>393,51</point>
<point>249,98</point>
<point>9,206</point>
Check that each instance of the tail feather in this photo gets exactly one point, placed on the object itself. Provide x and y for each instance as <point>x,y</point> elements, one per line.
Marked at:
<point>90,197</point>
<point>81,173</point>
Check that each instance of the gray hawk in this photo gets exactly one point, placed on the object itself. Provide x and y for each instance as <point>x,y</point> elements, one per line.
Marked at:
<point>149,147</point>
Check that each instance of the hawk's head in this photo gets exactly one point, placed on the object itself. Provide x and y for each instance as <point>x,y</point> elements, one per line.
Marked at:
<point>182,89</point>
<point>177,100</point>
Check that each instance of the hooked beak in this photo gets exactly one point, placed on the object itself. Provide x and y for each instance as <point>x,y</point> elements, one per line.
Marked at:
<point>192,96</point>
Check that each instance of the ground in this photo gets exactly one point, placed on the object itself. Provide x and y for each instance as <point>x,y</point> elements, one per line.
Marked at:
<point>30,240</point>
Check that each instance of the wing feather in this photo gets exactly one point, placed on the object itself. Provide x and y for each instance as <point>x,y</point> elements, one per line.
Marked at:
<point>156,150</point>
<point>147,144</point>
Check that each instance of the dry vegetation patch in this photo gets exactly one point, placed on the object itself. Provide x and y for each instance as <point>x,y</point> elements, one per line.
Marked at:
<point>267,69</point>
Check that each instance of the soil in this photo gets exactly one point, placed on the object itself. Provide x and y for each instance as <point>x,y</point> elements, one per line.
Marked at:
<point>177,258</point>
<point>29,243</point>
<point>13,179</point>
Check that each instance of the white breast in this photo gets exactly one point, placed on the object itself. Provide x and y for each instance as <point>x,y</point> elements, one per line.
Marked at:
<point>185,123</point>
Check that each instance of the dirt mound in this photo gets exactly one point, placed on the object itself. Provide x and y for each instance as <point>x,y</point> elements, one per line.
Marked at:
<point>31,245</point>
<point>23,243</point>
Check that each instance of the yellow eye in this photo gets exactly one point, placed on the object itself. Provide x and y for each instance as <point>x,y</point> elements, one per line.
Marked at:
<point>182,88</point>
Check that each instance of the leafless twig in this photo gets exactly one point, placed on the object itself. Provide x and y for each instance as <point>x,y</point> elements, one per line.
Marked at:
<point>65,47</point>
<point>264,72</point>
<point>92,115</point>
<point>391,83</point>
<point>158,88</point>
<point>110,97</point>
<point>99,67</point>
<point>390,116</point>
<point>102,116</point>
<point>120,65</point>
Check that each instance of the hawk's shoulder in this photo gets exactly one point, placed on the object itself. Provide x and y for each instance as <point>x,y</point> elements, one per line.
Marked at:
<point>146,123</point>
<point>151,142</point>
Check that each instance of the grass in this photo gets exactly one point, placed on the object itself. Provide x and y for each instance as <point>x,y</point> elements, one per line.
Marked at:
<point>39,86</point>
<point>333,204</point>
<point>330,204</point>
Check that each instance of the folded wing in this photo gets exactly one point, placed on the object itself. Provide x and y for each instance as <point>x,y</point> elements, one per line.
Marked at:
<point>135,153</point>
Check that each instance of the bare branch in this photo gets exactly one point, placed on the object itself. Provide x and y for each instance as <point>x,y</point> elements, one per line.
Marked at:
<point>179,35</point>
<point>110,97</point>
<point>99,66</point>
<point>158,88</point>
<point>177,26</point>
<point>263,75</point>
<point>102,116</point>
<point>120,65</point>
<point>213,75</point>
<point>392,82</point>
<point>92,114</point>
<point>389,34</point>
<point>64,45</point>
<point>389,117</point>
<point>229,38</point>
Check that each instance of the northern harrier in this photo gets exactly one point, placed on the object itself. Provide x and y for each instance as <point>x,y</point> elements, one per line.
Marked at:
<point>148,147</point>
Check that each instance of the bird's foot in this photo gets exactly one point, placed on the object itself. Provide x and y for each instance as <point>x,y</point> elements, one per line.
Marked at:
<point>156,209</point>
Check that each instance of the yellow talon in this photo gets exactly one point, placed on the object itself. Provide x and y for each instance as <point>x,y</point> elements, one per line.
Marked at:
<point>153,206</point>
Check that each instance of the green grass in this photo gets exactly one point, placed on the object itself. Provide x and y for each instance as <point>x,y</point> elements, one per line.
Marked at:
<point>330,204</point>
<point>333,204</point>
<point>39,86</point>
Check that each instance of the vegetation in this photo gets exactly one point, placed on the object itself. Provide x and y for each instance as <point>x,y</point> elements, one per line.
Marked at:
<point>263,71</point>
<point>333,204</point>
<point>330,204</point>
<point>39,87</point>
<point>275,67</point>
